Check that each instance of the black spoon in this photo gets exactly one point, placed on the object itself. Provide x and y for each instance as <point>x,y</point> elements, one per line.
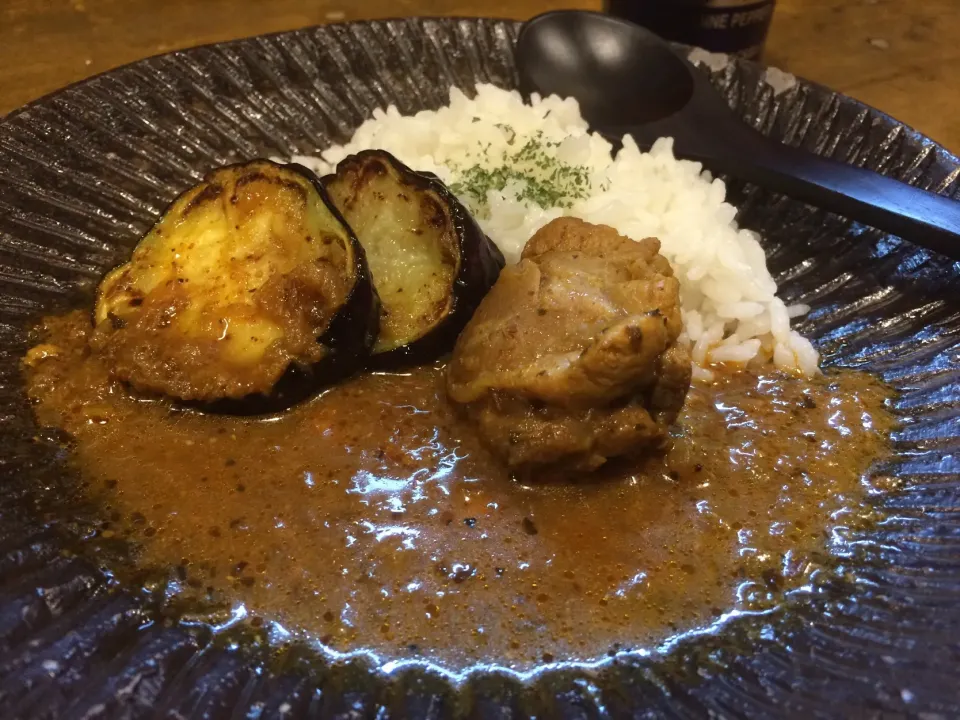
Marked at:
<point>628,80</point>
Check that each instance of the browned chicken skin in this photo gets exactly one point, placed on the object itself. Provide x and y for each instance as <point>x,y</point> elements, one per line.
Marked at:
<point>572,358</point>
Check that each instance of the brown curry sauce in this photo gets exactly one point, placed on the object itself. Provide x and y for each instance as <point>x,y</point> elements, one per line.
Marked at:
<point>371,518</point>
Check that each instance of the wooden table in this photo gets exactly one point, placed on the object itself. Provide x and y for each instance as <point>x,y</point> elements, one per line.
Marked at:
<point>901,56</point>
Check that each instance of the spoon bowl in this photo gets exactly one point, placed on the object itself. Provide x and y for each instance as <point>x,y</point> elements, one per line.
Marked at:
<point>629,81</point>
<point>606,65</point>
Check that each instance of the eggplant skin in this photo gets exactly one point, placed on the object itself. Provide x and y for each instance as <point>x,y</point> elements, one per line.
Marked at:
<point>248,294</point>
<point>431,262</point>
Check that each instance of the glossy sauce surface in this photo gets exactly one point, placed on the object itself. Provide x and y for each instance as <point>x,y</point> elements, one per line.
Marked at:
<point>372,519</point>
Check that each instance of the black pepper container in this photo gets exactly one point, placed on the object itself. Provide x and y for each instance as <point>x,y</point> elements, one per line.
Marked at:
<point>738,27</point>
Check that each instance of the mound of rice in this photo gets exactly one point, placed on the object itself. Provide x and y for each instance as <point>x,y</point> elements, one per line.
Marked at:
<point>730,309</point>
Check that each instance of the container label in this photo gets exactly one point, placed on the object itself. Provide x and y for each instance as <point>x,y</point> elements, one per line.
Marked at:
<point>734,26</point>
<point>731,26</point>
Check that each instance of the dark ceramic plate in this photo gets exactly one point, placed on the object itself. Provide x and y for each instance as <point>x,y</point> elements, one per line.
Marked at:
<point>85,171</point>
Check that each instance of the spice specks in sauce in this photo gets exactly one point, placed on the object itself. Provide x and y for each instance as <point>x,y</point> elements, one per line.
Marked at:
<point>371,518</point>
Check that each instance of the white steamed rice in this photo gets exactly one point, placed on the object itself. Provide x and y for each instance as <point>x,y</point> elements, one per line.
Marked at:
<point>730,309</point>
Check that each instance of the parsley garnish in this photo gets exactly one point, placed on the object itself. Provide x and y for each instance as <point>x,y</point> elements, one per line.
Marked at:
<point>535,175</point>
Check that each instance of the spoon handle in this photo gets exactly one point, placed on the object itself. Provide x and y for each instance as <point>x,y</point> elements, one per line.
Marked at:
<point>918,216</point>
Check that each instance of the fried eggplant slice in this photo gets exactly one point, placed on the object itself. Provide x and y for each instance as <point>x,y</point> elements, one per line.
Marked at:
<point>431,262</point>
<point>249,293</point>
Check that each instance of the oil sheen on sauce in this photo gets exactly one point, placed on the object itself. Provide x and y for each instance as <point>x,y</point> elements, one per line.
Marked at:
<point>372,519</point>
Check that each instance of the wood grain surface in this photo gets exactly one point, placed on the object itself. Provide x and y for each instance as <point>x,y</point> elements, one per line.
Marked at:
<point>902,56</point>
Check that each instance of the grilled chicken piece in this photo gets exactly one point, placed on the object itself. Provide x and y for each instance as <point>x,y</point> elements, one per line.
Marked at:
<point>572,358</point>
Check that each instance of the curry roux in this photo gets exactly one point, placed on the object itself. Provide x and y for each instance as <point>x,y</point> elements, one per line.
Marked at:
<point>371,518</point>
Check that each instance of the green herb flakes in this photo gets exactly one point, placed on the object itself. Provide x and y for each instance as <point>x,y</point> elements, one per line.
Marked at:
<point>534,174</point>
